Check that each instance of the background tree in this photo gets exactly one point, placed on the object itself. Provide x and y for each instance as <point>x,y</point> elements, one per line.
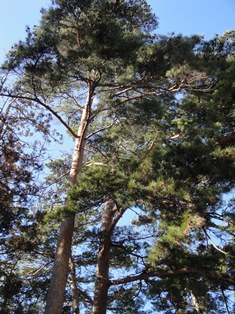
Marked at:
<point>20,167</point>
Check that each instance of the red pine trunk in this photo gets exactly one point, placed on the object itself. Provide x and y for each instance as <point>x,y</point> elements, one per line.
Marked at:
<point>55,297</point>
<point>102,269</point>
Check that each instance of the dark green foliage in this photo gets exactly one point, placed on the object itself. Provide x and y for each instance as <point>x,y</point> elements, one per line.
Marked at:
<point>81,41</point>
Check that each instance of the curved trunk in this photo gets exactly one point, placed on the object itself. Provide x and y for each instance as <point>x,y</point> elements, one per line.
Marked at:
<point>102,268</point>
<point>55,297</point>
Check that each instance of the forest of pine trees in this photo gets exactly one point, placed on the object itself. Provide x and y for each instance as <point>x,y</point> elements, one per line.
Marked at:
<point>139,216</point>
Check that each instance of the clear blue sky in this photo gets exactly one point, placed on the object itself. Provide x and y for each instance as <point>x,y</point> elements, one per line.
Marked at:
<point>206,17</point>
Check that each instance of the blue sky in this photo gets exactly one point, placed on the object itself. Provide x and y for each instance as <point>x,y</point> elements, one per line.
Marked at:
<point>206,17</point>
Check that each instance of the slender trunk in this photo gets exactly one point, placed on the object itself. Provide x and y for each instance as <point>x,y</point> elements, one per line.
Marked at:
<point>73,285</point>
<point>55,297</point>
<point>102,268</point>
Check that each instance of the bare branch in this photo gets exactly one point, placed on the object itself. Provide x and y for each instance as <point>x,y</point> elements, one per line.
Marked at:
<point>93,163</point>
<point>85,295</point>
<point>214,245</point>
<point>40,269</point>
<point>5,115</point>
<point>100,130</point>
<point>225,301</point>
<point>38,101</point>
<point>124,91</point>
<point>117,217</point>
<point>56,181</point>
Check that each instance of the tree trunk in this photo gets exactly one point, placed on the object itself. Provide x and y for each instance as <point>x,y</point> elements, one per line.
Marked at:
<point>73,286</point>
<point>195,303</point>
<point>55,297</point>
<point>4,116</point>
<point>102,268</point>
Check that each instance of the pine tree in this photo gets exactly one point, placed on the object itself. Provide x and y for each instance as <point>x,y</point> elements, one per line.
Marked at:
<point>79,47</point>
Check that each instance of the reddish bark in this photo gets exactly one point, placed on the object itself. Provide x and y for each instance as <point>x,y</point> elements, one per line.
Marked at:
<point>55,297</point>
<point>102,268</point>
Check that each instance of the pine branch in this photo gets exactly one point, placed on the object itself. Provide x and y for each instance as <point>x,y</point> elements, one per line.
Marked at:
<point>85,295</point>
<point>215,275</point>
<point>227,140</point>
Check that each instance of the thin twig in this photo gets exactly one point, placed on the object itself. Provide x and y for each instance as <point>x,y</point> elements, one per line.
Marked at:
<point>101,130</point>
<point>40,269</point>
<point>38,101</point>
<point>213,243</point>
<point>225,301</point>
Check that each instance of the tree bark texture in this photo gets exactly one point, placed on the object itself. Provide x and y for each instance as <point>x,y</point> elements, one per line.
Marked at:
<point>55,297</point>
<point>102,268</point>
